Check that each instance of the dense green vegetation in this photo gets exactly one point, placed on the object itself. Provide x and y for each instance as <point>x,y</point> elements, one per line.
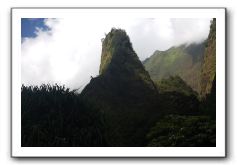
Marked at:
<point>56,116</point>
<point>53,115</point>
<point>208,104</point>
<point>184,61</point>
<point>179,131</point>
<point>174,83</point>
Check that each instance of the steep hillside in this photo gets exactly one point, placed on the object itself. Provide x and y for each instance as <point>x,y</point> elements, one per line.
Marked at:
<point>184,61</point>
<point>119,60</point>
<point>209,63</point>
<point>208,74</point>
<point>176,97</point>
<point>124,92</point>
<point>174,83</point>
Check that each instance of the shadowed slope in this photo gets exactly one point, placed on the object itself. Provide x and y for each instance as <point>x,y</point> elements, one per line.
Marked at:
<point>184,61</point>
<point>123,91</point>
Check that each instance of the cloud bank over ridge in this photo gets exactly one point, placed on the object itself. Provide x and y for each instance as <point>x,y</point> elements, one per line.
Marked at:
<point>69,51</point>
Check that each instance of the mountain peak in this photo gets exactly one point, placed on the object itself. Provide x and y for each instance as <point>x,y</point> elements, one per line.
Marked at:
<point>122,90</point>
<point>116,48</point>
<point>118,59</point>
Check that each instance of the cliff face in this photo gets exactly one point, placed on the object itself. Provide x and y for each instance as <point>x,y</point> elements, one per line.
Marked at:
<point>184,61</point>
<point>209,63</point>
<point>118,59</point>
<point>123,91</point>
<point>122,75</point>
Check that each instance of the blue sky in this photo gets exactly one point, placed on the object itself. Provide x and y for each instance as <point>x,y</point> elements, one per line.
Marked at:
<point>29,26</point>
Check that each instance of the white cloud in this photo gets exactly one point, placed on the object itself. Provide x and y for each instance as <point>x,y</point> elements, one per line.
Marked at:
<point>70,52</point>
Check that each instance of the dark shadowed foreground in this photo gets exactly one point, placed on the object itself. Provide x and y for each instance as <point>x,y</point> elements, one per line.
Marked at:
<point>55,116</point>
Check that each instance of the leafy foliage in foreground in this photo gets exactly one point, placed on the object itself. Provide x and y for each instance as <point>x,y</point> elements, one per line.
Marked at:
<point>53,115</point>
<point>183,131</point>
<point>188,123</point>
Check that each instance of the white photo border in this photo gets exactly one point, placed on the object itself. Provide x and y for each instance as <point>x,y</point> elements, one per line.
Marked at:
<point>146,12</point>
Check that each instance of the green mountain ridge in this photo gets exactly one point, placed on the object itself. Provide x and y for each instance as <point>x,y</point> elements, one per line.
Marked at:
<point>174,83</point>
<point>184,61</point>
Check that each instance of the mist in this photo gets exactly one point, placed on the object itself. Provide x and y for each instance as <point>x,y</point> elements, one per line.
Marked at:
<point>69,51</point>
